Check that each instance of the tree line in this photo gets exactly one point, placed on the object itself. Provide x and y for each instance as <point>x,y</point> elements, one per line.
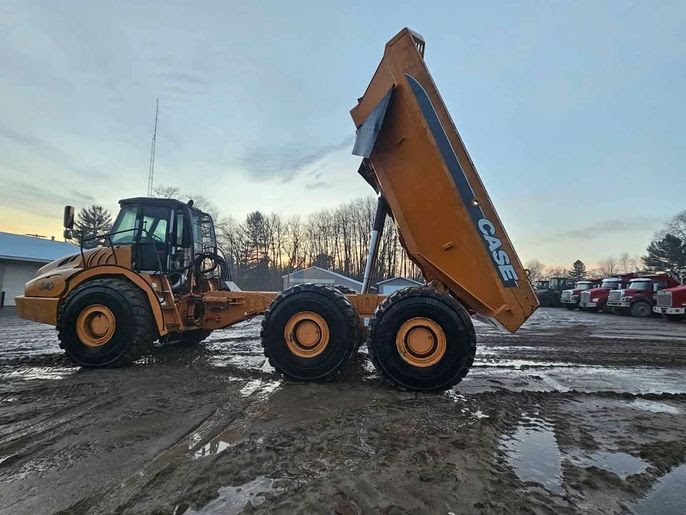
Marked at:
<point>263,247</point>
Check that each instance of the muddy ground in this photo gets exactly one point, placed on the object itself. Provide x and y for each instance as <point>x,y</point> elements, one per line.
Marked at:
<point>576,412</point>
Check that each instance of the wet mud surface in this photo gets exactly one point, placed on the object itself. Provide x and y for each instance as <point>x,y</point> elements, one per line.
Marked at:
<point>576,412</point>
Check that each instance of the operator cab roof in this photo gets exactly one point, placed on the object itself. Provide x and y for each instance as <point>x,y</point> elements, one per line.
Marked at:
<point>160,202</point>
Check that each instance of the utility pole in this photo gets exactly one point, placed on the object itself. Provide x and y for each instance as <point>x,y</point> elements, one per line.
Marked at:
<point>151,173</point>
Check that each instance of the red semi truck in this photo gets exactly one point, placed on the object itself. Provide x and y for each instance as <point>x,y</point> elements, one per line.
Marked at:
<point>595,299</point>
<point>570,298</point>
<point>638,298</point>
<point>671,303</point>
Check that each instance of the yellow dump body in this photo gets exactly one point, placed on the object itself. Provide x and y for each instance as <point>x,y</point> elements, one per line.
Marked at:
<point>417,160</point>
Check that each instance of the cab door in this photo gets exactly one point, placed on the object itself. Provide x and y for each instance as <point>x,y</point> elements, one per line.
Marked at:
<point>151,248</point>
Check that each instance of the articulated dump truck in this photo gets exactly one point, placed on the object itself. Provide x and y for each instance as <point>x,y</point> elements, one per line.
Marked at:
<point>158,275</point>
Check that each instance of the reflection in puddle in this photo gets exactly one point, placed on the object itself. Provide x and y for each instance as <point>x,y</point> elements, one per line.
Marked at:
<point>533,453</point>
<point>654,406</point>
<point>619,463</point>
<point>262,388</point>
<point>27,374</point>
<point>234,499</point>
<point>667,496</point>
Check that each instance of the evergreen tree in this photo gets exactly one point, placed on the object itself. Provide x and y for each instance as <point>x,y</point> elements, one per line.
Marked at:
<point>667,254</point>
<point>578,270</point>
<point>90,222</point>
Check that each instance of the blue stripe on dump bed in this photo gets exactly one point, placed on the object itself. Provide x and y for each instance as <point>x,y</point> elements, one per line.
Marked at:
<point>485,227</point>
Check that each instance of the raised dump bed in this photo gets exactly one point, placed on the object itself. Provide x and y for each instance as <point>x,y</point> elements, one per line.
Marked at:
<point>416,159</point>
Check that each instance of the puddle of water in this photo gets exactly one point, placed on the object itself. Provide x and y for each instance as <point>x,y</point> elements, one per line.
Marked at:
<point>533,453</point>
<point>654,406</point>
<point>234,499</point>
<point>667,496</point>
<point>262,388</point>
<point>28,374</point>
<point>619,463</point>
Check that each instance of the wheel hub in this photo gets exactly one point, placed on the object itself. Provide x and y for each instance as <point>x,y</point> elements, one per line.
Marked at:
<point>95,325</point>
<point>421,342</point>
<point>306,334</point>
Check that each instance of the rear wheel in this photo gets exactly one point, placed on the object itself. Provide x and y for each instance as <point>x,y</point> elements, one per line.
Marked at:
<point>641,310</point>
<point>422,340</point>
<point>309,332</point>
<point>106,322</point>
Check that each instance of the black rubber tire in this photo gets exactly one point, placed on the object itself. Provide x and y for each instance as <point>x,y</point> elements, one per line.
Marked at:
<point>443,309</point>
<point>641,310</point>
<point>135,331</point>
<point>334,308</point>
<point>673,318</point>
<point>345,290</point>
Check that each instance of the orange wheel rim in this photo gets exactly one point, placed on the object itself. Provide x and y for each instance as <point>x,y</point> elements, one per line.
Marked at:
<point>421,342</point>
<point>306,334</point>
<point>95,325</point>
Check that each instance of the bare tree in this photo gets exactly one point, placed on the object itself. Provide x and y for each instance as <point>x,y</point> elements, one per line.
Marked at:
<point>608,266</point>
<point>536,269</point>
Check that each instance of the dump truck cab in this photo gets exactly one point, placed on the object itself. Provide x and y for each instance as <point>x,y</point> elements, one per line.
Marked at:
<point>638,298</point>
<point>158,275</point>
<point>165,235</point>
<point>549,297</point>
<point>570,297</point>
<point>671,303</point>
<point>595,299</point>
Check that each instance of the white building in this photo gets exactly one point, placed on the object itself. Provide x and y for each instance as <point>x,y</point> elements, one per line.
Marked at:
<point>317,275</point>
<point>396,283</point>
<point>20,259</point>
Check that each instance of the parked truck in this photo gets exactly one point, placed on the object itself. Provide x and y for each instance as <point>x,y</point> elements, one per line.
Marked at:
<point>160,275</point>
<point>550,291</point>
<point>595,299</point>
<point>638,298</point>
<point>570,298</point>
<point>671,303</point>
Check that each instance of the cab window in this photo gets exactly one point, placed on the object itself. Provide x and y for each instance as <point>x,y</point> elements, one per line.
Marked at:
<point>155,223</point>
<point>126,221</point>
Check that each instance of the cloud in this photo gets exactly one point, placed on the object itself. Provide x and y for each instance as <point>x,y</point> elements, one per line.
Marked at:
<point>603,228</point>
<point>285,164</point>
<point>317,185</point>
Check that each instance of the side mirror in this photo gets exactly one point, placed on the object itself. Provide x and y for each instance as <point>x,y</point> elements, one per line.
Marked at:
<point>656,287</point>
<point>69,217</point>
<point>68,234</point>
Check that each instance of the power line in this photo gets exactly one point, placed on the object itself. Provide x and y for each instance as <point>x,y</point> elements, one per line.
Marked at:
<point>151,172</point>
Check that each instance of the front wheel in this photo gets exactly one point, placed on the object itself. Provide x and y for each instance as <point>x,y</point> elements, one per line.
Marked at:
<point>106,322</point>
<point>422,340</point>
<point>641,310</point>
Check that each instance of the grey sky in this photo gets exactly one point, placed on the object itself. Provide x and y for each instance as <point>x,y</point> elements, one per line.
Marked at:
<point>572,112</point>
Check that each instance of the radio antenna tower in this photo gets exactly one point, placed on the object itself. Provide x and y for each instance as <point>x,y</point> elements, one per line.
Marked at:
<point>151,173</point>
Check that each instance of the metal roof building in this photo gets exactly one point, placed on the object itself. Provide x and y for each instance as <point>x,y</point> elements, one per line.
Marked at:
<point>20,258</point>
<point>396,283</point>
<point>314,274</point>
